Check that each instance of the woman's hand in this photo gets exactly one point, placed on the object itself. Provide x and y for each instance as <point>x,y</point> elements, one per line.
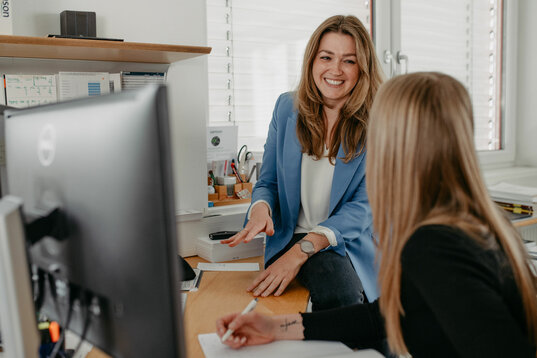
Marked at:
<point>248,330</point>
<point>260,221</point>
<point>254,328</point>
<point>278,275</point>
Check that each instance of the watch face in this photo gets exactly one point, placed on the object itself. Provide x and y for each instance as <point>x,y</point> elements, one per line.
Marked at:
<point>307,247</point>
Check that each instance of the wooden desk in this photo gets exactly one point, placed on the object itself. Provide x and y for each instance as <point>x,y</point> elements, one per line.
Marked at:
<point>526,222</point>
<point>225,292</point>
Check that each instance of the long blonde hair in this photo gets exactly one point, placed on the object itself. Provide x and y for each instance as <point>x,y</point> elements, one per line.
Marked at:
<point>422,169</point>
<point>350,128</point>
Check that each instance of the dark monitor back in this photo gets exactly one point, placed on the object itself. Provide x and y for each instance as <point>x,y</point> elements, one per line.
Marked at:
<point>105,162</point>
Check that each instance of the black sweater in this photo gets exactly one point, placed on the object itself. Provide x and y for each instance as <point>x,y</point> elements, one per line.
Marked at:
<point>460,300</point>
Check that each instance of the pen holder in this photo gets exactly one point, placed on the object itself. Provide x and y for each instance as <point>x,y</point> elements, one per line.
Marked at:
<point>239,187</point>
<point>227,182</point>
<point>221,192</point>
<point>240,193</point>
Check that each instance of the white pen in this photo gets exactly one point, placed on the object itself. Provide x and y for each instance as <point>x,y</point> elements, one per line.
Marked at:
<point>248,308</point>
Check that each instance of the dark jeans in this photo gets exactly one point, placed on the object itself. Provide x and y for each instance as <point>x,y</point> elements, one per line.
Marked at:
<point>330,278</point>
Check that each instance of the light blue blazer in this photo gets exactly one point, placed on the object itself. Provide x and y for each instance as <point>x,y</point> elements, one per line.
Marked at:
<point>349,212</point>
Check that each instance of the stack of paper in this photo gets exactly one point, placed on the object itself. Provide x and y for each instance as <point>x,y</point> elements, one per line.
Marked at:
<point>512,192</point>
<point>214,251</point>
<point>520,201</point>
<point>133,80</point>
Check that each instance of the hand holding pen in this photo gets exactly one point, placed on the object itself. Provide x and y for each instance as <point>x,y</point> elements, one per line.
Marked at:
<point>254,328</point>
<point>245,328</point>
<point>248,309</point>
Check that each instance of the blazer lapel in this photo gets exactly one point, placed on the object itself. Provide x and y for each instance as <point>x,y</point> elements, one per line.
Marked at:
<point>343,173</point>
<point>292,161</point>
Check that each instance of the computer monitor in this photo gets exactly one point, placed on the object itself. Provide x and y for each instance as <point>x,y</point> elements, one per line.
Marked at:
<point>109,271</point>
<point>17,314</point>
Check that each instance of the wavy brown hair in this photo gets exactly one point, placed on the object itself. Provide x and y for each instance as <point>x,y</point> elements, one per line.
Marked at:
<point>422,169</point>
<point>350,129</point>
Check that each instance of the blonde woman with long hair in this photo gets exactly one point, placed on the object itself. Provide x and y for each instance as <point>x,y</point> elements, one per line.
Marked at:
<point>311,198</point>
<point>455,278</point>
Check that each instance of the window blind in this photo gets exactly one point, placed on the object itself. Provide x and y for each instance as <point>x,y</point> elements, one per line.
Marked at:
<point>462,38</point>
<point>257,55</point>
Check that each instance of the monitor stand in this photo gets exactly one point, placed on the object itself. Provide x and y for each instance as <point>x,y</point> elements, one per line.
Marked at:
<point>18,323</point>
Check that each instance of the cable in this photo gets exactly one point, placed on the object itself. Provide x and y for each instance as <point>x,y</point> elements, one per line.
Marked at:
<point>65,324</point>
<point>84,329</point>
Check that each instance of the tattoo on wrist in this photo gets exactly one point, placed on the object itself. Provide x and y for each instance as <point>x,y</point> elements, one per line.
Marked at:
<point>285,326</point>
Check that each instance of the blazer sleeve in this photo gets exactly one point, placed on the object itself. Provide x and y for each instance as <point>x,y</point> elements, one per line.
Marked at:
<point>351,219</point>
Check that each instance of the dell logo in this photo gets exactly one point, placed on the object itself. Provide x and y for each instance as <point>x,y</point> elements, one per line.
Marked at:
<point>46,145</point>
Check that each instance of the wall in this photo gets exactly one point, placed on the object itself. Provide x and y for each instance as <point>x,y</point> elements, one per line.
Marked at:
<point>158,21</point>
<point>527,84</point>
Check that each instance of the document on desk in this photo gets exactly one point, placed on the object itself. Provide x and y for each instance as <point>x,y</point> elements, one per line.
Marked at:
<point>213,348</point>
<point>240,266</point>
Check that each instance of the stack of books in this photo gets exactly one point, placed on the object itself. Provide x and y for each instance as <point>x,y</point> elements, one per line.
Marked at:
<point>133,80</point>
<point>519,201</point>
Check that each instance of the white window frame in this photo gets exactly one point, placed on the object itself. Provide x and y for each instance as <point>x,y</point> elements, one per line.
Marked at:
<point>386,30</point>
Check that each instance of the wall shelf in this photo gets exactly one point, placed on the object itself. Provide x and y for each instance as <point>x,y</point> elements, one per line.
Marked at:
<point>96,50</point>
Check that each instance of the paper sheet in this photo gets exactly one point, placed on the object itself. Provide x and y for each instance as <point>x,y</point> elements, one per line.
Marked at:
<point>83,84</point>
<point>513,191</point>
<point>213,348</point>
<point>30,90</point>
<point>246,266</point>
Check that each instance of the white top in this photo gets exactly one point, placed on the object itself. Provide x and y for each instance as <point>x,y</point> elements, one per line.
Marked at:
<point>315,188</point>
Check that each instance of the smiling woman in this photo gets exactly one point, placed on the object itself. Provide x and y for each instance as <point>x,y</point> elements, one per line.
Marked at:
<point>335,69</point>
<point>310,198</point>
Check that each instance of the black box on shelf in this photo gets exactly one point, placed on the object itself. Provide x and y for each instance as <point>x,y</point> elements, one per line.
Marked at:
<point>78,23</point>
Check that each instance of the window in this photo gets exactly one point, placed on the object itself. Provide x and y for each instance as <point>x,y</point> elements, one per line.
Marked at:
<point>258,48</point>
<point>463,38</point>
<point>257,55</point>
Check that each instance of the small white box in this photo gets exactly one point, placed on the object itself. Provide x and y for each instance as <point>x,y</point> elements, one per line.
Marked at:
<point>214,251</point>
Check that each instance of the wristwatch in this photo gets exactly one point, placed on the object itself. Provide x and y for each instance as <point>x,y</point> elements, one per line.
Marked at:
<point>307,247</point>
